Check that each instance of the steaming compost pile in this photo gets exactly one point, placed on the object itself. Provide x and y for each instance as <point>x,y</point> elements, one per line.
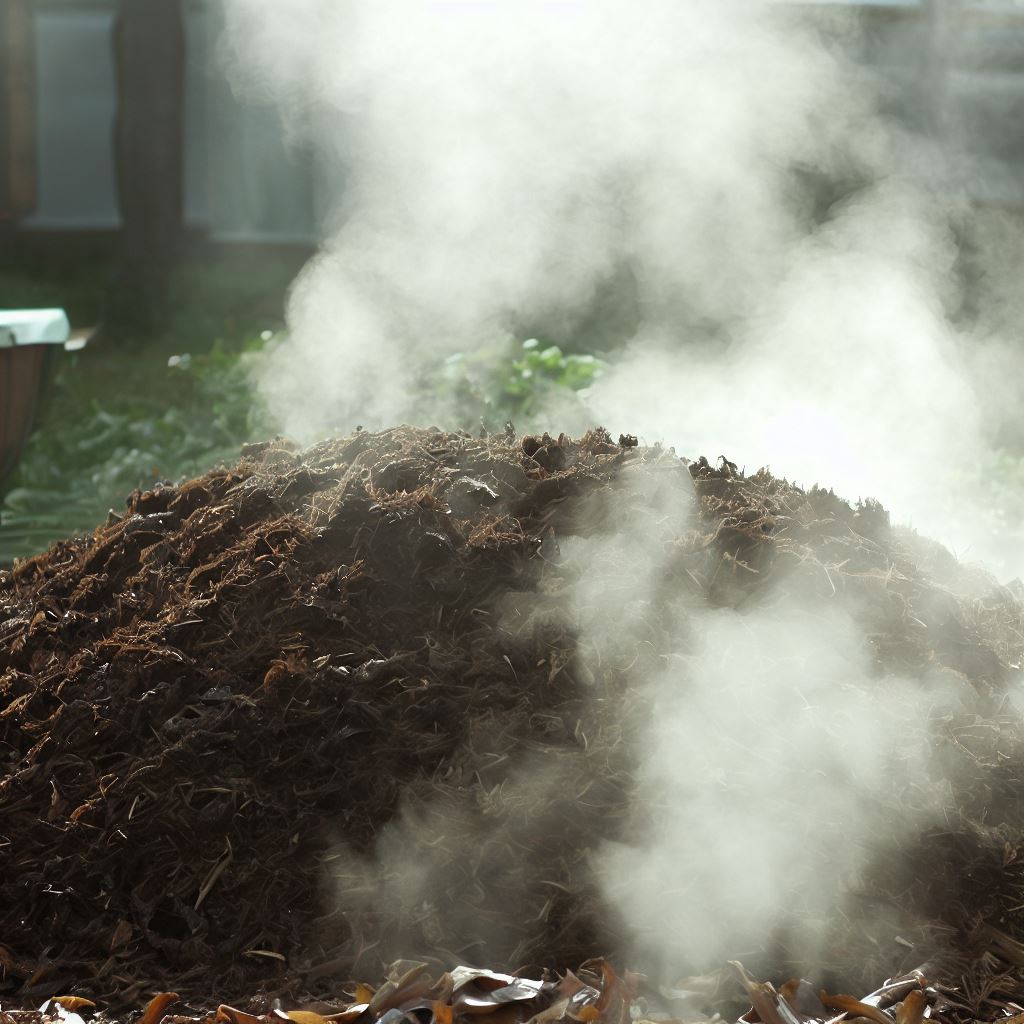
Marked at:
<point>387,696</point>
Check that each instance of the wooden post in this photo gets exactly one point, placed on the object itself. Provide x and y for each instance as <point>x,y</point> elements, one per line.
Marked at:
<point>17,112</point>
<point>149,143</point>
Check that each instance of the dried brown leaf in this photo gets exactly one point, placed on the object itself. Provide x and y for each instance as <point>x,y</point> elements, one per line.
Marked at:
<point>157,1007</point>
<point>855,1008</point>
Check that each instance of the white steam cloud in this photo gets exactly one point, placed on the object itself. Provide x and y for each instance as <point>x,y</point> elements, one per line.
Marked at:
<point>763,773</point>
<point>502,162</point>
<point>774,761</point>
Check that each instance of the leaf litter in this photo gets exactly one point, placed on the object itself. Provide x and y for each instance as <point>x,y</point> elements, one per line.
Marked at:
<point>200,698</point>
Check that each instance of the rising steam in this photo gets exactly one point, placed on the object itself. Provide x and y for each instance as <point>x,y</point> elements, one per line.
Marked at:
<point>794,280</point>
<point>497,162</point>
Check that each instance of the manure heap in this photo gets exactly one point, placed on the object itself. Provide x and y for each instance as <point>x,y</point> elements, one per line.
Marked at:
<point>234,720</point>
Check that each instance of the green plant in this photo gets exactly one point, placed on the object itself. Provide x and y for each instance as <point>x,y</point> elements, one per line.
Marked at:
<point>495,384</point>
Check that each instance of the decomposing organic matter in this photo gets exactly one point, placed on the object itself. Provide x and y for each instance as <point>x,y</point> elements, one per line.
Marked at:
<point>214,708</point>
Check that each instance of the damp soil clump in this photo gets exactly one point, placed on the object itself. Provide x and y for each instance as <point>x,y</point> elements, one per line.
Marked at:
<point>274,727</point>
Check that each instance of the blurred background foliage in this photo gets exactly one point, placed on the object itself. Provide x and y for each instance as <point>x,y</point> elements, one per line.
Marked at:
<point>117,416</point>
<point>127,415</point>
<point>504,382</point>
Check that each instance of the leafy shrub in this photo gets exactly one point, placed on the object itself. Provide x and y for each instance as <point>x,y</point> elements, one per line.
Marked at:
<point>494,385</point>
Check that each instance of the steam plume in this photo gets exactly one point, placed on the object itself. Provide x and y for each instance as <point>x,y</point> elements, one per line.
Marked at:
<point>500,161</point>
<point>794,276</point>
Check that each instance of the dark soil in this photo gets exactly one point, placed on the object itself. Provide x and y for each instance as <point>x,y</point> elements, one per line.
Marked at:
<point>211,709</point>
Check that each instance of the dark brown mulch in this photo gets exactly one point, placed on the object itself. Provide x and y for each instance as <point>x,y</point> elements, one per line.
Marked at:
<point>211,709</point>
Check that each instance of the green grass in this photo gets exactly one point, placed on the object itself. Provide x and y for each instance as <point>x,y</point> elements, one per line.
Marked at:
<point>113,424</point>
<point>119,417</point>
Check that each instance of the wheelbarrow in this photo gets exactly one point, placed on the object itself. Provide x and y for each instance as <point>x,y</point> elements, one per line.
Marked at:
<point>30,342</point>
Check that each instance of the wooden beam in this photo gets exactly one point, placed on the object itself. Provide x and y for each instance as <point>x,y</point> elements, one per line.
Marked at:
<point>18,191</point>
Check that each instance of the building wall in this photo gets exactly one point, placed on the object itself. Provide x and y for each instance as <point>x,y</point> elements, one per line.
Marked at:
<point>254,186</point>
<point>963,59</point>
<point>74,95</point>
<point>241,183</point>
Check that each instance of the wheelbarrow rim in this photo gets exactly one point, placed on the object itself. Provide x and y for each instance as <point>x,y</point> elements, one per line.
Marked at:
<point>48,326</point>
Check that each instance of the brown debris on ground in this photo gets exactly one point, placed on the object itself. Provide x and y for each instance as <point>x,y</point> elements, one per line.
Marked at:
<point>413,993</point>
<point>208,699</point>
